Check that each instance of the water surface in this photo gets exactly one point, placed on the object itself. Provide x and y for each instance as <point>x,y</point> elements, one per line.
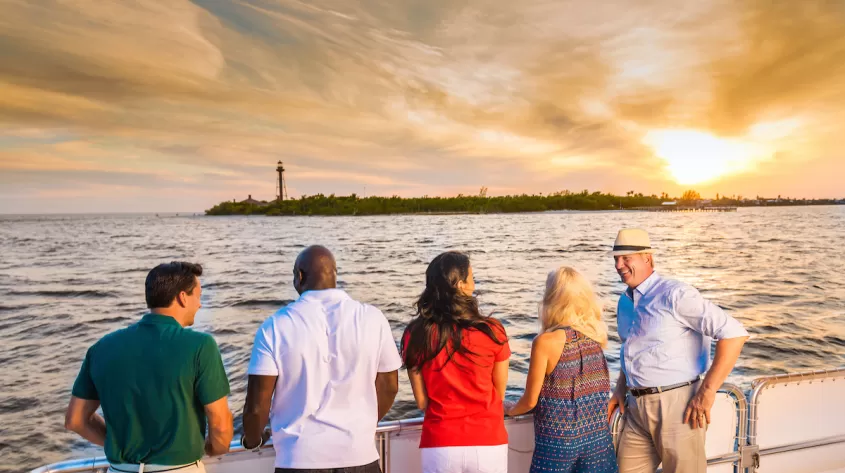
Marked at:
<point>65,281</point>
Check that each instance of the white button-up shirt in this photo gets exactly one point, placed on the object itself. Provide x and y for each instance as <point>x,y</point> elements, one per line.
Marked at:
<point>326,350</point>
<point>666,327</point>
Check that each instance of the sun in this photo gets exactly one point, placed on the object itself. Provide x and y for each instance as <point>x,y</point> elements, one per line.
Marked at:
<point>694,157</point>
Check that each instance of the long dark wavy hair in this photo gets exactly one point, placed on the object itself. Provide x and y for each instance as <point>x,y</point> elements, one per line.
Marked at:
<point>443,313</point>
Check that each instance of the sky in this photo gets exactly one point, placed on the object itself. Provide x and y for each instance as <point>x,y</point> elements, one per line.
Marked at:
<point>151,106</point>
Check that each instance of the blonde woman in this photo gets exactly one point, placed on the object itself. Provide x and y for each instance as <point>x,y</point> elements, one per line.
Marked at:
<point>568,381</point>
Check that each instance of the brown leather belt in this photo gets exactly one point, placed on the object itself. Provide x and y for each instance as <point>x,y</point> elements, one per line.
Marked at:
<point>637,392</point>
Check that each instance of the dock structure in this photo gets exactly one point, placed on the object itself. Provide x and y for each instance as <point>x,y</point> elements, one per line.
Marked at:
<point>683,208</point>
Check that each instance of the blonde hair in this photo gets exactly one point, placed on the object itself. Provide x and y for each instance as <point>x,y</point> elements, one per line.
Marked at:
<point>569,301</point>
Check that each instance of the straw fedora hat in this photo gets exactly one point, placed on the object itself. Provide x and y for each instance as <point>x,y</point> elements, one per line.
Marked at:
<point>630,241</point>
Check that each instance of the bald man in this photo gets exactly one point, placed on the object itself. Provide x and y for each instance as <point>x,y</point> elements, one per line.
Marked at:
<point>324,371</point>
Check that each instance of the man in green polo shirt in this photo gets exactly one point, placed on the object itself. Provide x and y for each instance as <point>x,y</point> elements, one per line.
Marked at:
<point>157,382</point>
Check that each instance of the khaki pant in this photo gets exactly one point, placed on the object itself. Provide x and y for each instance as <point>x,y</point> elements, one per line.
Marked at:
<point>654,432</point>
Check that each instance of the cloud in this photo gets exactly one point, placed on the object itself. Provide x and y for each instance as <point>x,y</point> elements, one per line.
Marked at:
<point>408,95</point>
<point>789,58</point>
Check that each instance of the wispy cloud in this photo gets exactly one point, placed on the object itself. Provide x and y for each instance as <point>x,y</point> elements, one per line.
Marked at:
<point>410,97</point>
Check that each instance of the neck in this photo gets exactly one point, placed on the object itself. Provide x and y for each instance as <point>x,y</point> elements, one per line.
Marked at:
<point>643,280</point>
<point>171,312</point>
<point>320,287</point>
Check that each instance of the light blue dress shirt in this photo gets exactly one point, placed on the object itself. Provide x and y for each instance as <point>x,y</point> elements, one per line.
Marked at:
<point>666,327</point>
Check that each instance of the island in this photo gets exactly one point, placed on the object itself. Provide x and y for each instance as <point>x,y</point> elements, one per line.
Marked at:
<point>321,204</point>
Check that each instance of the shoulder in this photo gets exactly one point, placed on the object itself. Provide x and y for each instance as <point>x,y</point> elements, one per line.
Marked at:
<point>370,311</point>
<point>118,339</point>
<point>491,326</point>
<point>413,324</point>
<point>676,287</point>
<point>370,315</point>
<point>200,340</point>
<point>116,336</point>
<point>549,340</point>
<point>667,283</point>
<point>414,327</point>
<point>668,290</point>
<point>495,323</point>
<point>497,327</point>
<point>285,314</point>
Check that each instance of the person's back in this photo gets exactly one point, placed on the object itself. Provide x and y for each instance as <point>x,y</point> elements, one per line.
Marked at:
<point>146,376</point>
<point>457,362</point>
<point>571,411</point>
<point>464,407</point>
<point>156,382</point>
<point>580,376</point>
<point>567,383</point>
<point>324,370</point>
<point>327,352</point>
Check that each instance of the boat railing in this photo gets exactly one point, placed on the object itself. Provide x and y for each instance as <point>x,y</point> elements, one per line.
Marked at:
<point>786,423</point>
<point>797,422</point>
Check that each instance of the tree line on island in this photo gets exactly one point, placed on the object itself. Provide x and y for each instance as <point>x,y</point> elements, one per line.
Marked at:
<point>321,204</point>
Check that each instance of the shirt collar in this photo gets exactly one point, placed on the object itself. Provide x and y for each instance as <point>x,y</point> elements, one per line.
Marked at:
<point>153,318</point>
<point>324,295</point>
<point>644,286</point>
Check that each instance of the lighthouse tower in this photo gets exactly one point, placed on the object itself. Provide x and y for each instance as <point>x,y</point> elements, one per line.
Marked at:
<point>281,188</point>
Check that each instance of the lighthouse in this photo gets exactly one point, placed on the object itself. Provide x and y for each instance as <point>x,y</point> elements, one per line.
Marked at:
<point>281,189</point>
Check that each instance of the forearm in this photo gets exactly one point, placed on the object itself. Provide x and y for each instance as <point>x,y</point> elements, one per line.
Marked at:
<point>385,402</point>
<point>418,388</point>
<point>218,441</point>
<point>253,425</point>
<point>500,390</point>
<point>422,401</point>
<point>93,430</point>
<point>500,378</point>
<point>387,386</point>
<point>727,353</point>
<point>525,404</point>
<point>621,385</point>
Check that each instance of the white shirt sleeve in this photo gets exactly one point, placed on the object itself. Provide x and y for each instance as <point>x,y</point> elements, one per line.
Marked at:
<point>388,358</point>
<point>262,362</point>
<point>705,317</point>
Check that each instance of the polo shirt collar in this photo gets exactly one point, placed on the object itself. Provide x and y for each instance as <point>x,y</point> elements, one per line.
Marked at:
<point>644,286</point>
<point>324,295</point>
<point>153,318</point>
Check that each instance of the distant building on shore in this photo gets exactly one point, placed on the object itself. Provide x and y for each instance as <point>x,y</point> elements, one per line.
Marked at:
<point>250,200</point>
<point>281,190</point>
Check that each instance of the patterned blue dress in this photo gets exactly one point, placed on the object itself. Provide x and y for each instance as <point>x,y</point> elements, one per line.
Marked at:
<point>570,421</point>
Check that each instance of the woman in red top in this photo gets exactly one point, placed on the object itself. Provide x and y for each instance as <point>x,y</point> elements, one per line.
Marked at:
<point>457,361</point>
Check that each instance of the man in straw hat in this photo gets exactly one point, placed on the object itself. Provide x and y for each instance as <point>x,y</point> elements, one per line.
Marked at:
<point>666,328</point>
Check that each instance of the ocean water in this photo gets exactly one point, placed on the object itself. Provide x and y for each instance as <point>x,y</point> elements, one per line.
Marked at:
<point>65,281</point>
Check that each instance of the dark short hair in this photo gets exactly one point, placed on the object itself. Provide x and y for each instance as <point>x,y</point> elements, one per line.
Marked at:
<point>167,280</point>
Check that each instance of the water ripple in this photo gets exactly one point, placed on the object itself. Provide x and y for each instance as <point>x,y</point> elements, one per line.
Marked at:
<point>65,281</point>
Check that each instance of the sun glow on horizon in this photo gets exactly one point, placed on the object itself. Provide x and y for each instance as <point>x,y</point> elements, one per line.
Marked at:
<point>694,157</point>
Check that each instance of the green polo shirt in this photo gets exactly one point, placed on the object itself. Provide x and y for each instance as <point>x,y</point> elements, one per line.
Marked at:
<point>153,379</point>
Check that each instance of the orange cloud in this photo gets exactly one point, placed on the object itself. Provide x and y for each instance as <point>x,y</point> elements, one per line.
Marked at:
<point>403,96</point>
